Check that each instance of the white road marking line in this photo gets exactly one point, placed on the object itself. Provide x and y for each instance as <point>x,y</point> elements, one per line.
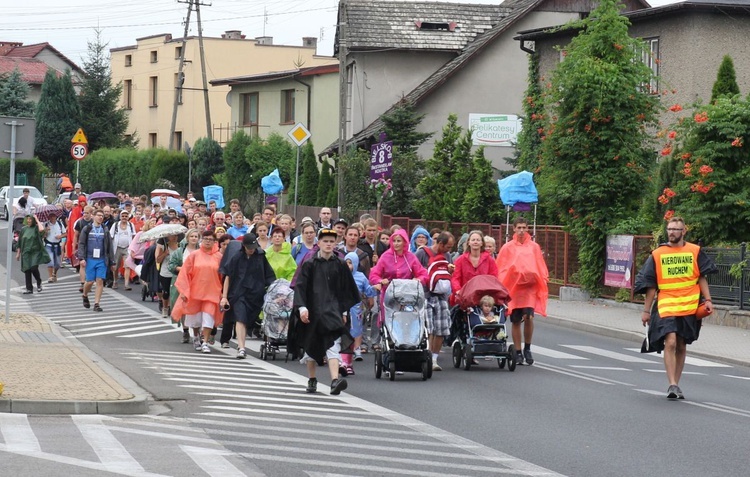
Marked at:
<point>661,371</point>
<point>704,363</point>
<point>18,434</point>
<point>370,443</point>
<point>735,377</point>
<point>263,427</point>
<point>608,354</point>
<point>601,368</point>
<point>110,324</point>
<point>743,411</point>
<point>256,392</point>
<point>214,463</point>
<point>287,387</point>
<point>379,469</point>
<point>579,374</point>
<point>61,459</point>
<point>714,408</point>
<point>381,427</point>
<point>291,413</point>
<point>651,392</point>
<point>275,399</point>
<point>278,405</point>
<point>211,369</point>
<point>235,378</point>
<point>551,353</point>
<point>111,332</point>
<point>148,333</point>
<point>110,451</point>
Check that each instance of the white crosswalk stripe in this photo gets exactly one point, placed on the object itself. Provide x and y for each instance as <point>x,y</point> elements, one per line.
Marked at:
<point>258,399</point>
<point>121,317</point>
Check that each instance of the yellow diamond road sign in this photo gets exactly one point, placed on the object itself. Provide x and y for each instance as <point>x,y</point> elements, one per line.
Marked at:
<point>299,134</point>
<point>79,138</point>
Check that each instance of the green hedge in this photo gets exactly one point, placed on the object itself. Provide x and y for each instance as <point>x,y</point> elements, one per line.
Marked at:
<point>34,170</point>
<point>138,172</point>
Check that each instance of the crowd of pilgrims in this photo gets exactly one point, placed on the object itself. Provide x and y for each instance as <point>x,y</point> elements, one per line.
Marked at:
<point>199,285</point>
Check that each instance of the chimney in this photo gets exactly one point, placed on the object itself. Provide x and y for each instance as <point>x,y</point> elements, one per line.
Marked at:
<point>310,42</point>
<point>233,35</point>
<point>7,46</point>
<point>264,40</point>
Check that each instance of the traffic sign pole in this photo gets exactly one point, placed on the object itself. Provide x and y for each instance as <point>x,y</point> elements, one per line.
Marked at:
<point>299,135</point>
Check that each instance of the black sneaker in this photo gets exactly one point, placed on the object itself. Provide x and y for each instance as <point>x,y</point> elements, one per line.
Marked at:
<point>338,385</point>
<point>519,358</point>
<point>527,356</point>
<point>674,392</point>
<point>342,370</point>
<point>185,336</point>
<point>312,385</point>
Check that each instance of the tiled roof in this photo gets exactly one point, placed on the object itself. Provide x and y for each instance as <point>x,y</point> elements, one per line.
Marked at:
<point>27,51</point>
<point>520,9</point>
<point>32,70</point>
<point>275,75</point>
<point>387,24</point>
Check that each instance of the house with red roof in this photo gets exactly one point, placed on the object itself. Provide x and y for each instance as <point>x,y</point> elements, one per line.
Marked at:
<point>33,61</point>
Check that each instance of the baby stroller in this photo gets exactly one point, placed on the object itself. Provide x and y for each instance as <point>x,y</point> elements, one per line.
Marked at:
<point>404,341</point>
<point>474,338</point>
<point>277,308</point>
<point>149,275</point>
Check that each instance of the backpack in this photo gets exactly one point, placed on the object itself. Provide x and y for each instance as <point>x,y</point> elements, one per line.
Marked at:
<point>437,270</point>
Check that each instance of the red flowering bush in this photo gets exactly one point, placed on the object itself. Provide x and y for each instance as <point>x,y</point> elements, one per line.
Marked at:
<point>706,167</point>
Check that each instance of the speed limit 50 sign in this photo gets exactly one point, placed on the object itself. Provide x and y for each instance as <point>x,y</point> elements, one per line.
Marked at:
<point>78,151</point>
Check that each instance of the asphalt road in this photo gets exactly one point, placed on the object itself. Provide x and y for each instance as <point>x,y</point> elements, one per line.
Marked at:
<point>589,406</point>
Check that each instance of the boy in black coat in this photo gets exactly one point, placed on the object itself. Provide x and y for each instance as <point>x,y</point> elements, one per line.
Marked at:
<point>324,293</point>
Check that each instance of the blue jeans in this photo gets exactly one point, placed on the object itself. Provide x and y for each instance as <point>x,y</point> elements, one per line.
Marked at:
<point>54,253</point>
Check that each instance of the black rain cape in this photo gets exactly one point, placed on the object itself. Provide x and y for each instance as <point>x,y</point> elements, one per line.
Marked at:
<point>688,327</point>
<point>327,289</point>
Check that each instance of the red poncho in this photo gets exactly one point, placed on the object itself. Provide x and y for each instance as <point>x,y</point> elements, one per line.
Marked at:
<point>522,270</point>
<point>200,283</point>
<point>75,214</point>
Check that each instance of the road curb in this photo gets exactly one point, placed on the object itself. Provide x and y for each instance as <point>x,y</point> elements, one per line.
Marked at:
<point>138,405</point>
<point>632,336</point>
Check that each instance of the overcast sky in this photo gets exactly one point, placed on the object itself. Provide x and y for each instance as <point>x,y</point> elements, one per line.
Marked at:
<point>69,24</point>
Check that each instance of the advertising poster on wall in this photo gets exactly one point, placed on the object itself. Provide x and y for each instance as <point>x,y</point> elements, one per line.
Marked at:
<point>618,267</point>
<point>494,130</point>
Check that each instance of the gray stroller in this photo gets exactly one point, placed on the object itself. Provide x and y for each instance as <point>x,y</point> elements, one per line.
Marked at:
<point>404,333</point>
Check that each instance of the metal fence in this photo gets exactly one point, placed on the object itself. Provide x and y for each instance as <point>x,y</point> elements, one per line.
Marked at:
<point>725,288</point>
<point>560,251</point>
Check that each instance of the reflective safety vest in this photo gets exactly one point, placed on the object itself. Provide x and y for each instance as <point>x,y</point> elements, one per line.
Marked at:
<point>677,274</point>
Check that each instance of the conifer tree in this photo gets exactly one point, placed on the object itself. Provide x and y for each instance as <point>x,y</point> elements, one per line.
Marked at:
<point>207,161</point>
<point>309,176</point>
<point>401,127</point>
<point>237,171</point>
<point>14,92</point>
<point>103,120</point>
<point>726,80</point>
<point>58,117</point>
<point>324,183</point>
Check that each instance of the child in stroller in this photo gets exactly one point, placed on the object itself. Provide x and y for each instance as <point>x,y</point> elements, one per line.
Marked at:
<point>479,324</point>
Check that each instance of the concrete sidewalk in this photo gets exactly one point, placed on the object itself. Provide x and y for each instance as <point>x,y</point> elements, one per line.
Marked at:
<point>623,320</point>
<point>43,372</point>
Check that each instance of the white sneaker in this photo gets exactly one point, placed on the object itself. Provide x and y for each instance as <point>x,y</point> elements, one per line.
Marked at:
<point>197,344</point>
<point>436,367</point>
<point>205,348</point>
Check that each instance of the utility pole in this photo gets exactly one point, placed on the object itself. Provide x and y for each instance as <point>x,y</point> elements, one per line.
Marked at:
<point>343,90</point>
<point>180,76</point>
<point>203,67</point>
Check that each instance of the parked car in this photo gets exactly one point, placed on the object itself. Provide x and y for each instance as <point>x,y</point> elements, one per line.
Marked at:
<point>61,198</point>
<point>36,197</point>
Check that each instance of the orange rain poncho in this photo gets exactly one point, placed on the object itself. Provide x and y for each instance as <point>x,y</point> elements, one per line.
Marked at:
<point>200,283</point>
<point>522,270</point>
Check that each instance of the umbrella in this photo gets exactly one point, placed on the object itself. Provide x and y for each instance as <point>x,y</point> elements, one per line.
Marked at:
<point>44,212</point>
<point>161,231</point>
<point>172,203</point>
<point>167,192</point>
<point>101,195</point>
